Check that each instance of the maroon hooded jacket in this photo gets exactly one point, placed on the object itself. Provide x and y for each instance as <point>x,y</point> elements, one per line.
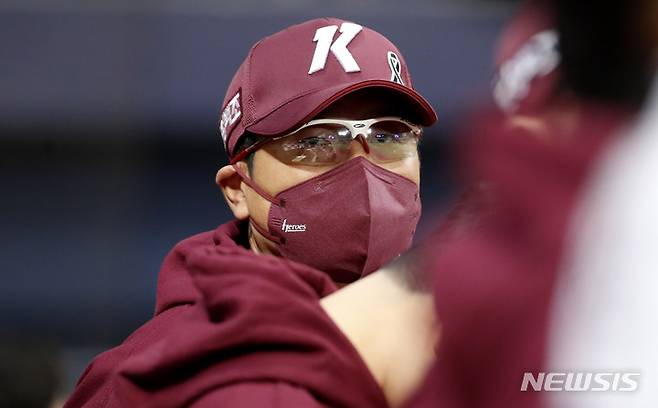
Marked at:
<point>232,329</point>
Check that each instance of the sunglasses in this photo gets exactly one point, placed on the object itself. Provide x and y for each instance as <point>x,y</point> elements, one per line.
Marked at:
<point>324,142</point>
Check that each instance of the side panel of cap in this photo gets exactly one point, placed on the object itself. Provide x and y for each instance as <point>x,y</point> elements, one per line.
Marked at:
<point>232,114</point>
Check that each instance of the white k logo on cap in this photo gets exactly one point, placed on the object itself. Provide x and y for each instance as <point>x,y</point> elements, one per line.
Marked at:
<point>324,37</point>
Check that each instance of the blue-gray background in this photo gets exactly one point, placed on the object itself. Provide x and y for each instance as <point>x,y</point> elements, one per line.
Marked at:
<point>108,145</point>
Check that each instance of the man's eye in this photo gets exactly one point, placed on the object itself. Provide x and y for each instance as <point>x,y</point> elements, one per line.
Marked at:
<point>314,151</point>
<point>314,142</point>
<point>304,144</point>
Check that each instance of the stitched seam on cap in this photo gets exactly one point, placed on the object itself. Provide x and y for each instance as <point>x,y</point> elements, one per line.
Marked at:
<point>250,101</point>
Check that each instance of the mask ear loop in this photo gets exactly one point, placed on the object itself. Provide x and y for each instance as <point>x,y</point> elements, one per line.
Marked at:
<point>263,194</point>
<point>255,186</point>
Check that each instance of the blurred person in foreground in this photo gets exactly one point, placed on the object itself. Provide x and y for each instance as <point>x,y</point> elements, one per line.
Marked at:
<point>572,81</point>
<point>604,316</point>
<point>321,125</point>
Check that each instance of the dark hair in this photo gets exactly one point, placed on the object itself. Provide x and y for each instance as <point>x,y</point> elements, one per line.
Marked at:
<point>603,51</point>
<point>247,140</point>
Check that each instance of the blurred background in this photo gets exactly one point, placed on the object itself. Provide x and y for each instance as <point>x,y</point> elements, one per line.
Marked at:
<point>109,146</point>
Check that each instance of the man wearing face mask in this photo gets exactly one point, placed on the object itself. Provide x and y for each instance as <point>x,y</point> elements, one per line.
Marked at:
<point>323,148</point>
<point>321,125</point>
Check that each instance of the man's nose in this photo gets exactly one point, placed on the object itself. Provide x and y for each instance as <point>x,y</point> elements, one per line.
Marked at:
<point>359,146</point>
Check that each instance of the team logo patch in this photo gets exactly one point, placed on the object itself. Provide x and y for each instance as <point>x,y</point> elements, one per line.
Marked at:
<point>396,67</point>
<point>324,43</point>
<point>538,57</point>
<point>285,227</point>
<point>230,116</point>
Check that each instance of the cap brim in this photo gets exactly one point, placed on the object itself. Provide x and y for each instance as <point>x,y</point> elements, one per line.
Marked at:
<point>305,107</point>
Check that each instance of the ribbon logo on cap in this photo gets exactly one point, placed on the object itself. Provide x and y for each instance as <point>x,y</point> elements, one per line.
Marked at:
<point>396,67</point>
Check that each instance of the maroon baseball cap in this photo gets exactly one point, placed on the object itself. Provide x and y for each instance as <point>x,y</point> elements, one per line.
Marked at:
<point>289,77</point>
<point>527,60</point>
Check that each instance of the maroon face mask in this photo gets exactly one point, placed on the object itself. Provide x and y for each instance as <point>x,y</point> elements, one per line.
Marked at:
<point>347,222</point>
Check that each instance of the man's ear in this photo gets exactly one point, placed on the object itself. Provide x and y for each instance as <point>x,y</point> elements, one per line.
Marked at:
<point>230,182</point>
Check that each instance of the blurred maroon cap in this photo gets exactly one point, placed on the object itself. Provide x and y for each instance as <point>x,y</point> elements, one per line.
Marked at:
<point>527,59</point>
<point>289,77</point>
